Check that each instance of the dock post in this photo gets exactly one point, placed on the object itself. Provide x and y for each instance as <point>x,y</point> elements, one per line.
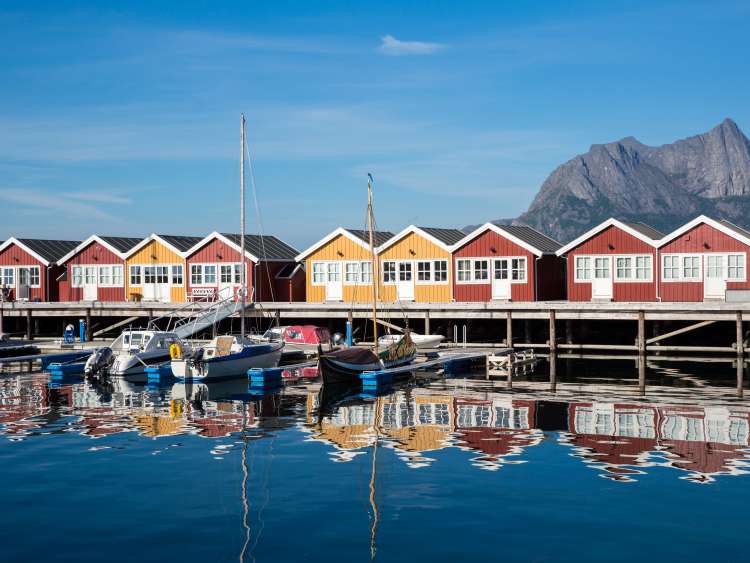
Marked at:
<point>349,327</point>
<point>552,351</point>
<point>568,331</point>
<point>527,330</point>
<point>740,354</point>
<point>427,322</point>
<point>1,320</point>
<point>641,352</point>
<point>88,325</point>
<point>29,334</point>
<point>510,372</point>
<point>509,330</point>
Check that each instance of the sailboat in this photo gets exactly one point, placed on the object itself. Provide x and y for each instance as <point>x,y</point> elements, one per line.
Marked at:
<point>228,355</point>
<point>345,365</point>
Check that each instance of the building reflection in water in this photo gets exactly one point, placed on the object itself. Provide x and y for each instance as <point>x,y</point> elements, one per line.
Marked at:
<point>617,440</point>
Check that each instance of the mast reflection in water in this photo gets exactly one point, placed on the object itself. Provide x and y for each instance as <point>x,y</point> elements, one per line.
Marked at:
<point>237,472</point>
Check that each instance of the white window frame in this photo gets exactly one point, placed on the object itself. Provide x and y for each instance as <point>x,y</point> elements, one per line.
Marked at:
<point>590,268</point>
<point>524,269</point>
<point>142,274</point>
<point>15,269</point>
<point>76,273</point>
<point>703,266</point>
<point>435,270</point>
<point>633,268</point>
<point>323,272</point>
<point>428,272</point>
<point>473,269</point>
<point>353,269</point>
<point>393,272</point>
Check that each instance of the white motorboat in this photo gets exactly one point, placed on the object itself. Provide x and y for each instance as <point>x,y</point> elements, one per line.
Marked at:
<point>133,351</point>
<point>227,356</point>
<point>424,342</point>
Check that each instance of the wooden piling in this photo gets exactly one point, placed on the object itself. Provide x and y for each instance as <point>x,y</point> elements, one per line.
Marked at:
<point>641,333</point>
<point>568,331</point>
<point>426,321</point>
<point>29,333</point>
<point>740,354</point>
<point>509,329</point>
<point>88,325</point>
<point>552,351</point>
<point>641,375</point>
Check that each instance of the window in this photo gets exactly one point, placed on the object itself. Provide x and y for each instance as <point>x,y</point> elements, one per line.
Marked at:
<point>481,270</point>
<point>225,273</point>
<point>89,275</point>
<point>177,274</point>
<point>440,271</point>
<point>501,269</point>
<point>404,272</point>
<point>319,272</point>
<point>117,275</point>
<point>196,274</point>
<point>424,271</point>
<point>691,267</point>
<point>365,272</point>
<point>464,270</point>
<point>149,274</point>
<point>736,267</point>
<point>351,272</point>
<point>238,273</point>
<point>334,271</point>
<point>583,268</point>
<point>389,272</point>
<point>714,266</point>
<point>77,276</point>
<point>624,268</point>
<point>601,268</point>
<point>105,275</point>
<point>643,267</point>
<point>671,267</point>
<point>209,274</point>
<point>518,269</point>
<point>34,276</point>
<point>135,275</point>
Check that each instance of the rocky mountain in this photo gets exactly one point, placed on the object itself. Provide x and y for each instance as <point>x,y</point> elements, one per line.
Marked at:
<point>663,186</point>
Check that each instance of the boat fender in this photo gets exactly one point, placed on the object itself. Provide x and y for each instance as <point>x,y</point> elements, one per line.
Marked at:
<point>175,351</point>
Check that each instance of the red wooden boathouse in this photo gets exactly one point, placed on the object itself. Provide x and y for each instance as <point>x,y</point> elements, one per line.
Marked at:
<point>705,259</point>
<point>614,261</point>
<point>214,268</point>
<point>28,267</point>
<point>509,263</point>
<point>95,269</point>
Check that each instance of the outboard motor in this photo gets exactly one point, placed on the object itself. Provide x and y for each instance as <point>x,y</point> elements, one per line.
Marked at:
<point>101,360</point>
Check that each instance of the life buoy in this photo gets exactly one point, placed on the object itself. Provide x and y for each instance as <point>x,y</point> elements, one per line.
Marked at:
<point>175,351</point>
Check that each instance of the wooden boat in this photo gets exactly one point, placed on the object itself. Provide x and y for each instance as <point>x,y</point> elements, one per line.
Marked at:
<point>345,365</point>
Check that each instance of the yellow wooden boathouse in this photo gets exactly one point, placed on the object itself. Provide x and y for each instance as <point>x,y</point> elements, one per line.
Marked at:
<point>155,268</point>
<point>415,265</point>
<point>338,267</point>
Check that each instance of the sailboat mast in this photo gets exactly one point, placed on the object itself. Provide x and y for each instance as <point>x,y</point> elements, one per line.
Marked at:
<point>243,275</point>
<point>373,262</point>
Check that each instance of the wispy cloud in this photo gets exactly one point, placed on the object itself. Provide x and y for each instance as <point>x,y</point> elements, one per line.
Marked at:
<point>51,203</point>
<point>100,197</point>
<point>389,45</point>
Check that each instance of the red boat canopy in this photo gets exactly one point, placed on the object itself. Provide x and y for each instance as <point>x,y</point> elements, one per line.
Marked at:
<point>306,334</point>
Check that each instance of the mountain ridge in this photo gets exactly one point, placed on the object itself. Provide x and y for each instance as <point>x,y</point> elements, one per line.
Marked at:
<point>663,186</point>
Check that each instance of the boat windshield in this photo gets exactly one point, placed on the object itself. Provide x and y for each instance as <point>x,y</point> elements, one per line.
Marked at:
<point>130,340</point>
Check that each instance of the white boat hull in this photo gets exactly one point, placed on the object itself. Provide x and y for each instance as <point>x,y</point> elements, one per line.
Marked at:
<point>423,342</point>
<point>233,365</point>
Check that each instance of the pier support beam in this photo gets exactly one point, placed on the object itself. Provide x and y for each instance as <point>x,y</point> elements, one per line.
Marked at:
<point>427,322</point>
<point>509,329</point>
<point>527,331</point>
<point>29,333</point>
<point>1,321</point>
<point>568,331</point>
<point>641,343</point>
<point>88,325</point>
<point>552,351</point>
<point>740,354</point>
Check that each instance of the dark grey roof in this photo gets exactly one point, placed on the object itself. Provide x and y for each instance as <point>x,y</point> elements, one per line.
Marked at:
<point>287,270</point>
<point>541,242</point>
<point>265,246</point>
<point>646,230</point>
<point>446,236</point>
<point>181,243</point>
<point>737,229</point>
<point>121,244</point>
<point>380,237</point>
<point>50,250</point>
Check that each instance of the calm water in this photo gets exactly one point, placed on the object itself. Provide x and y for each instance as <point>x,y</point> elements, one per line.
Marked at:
<point>440,470</point>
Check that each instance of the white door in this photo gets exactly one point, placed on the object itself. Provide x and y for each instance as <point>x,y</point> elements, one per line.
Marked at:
<point>22,287</point>
<point>405,283</point>
<point>228,280</point>
<point>715,279</point>
<point>501,279</point>
<point>89,283</point>
<point>163,292</point>
<point>334,282</point>
<point>601,285</point>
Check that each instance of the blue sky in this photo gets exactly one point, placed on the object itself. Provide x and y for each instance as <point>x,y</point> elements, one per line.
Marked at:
<point>122,118</point>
